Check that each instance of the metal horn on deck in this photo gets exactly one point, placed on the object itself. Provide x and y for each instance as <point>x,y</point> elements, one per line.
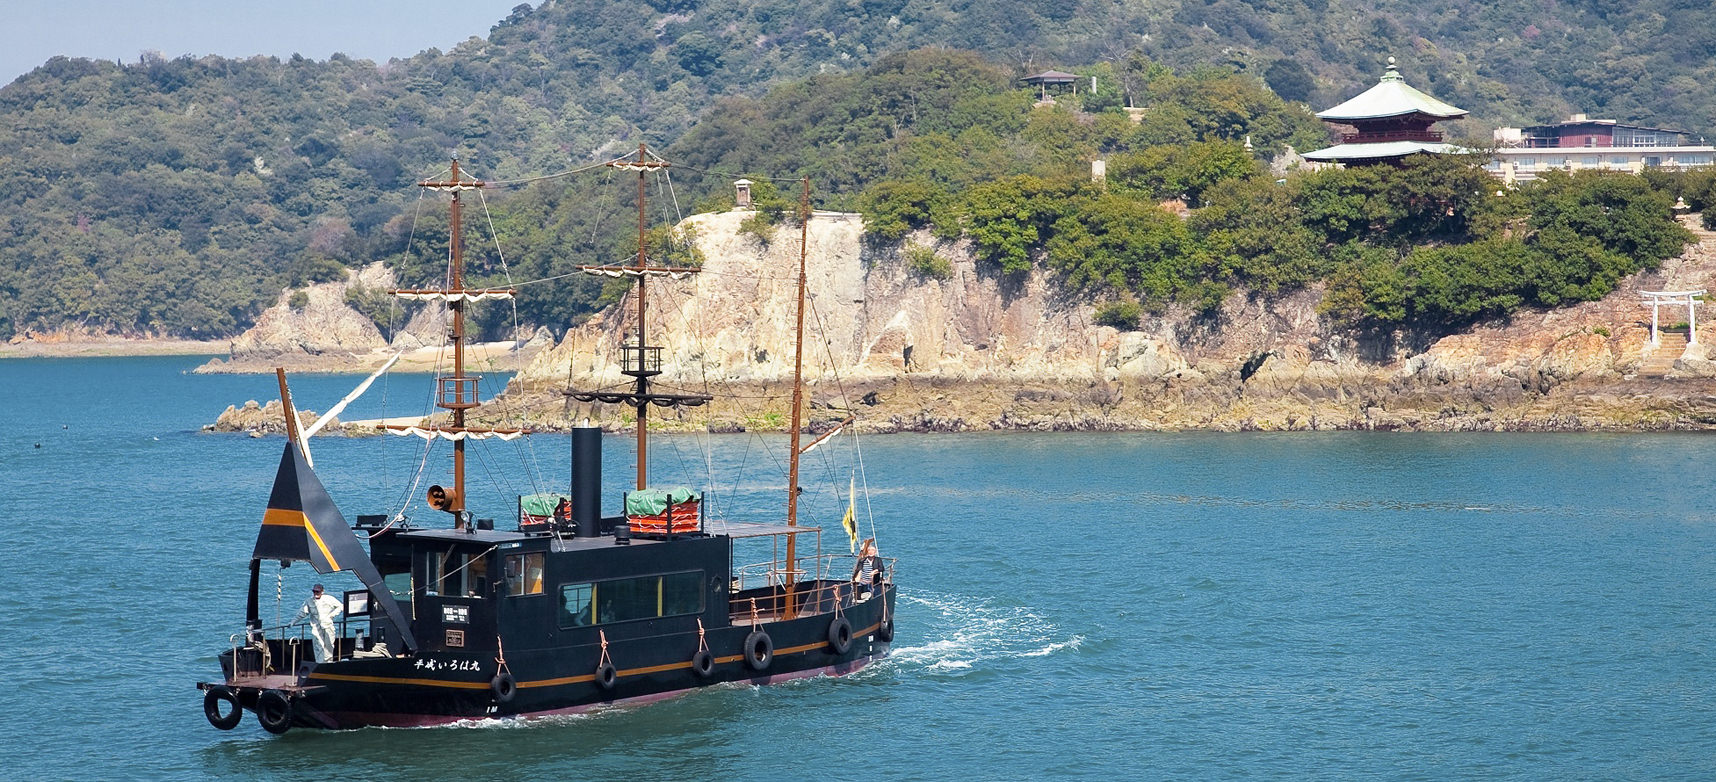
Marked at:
<point>441,498</point>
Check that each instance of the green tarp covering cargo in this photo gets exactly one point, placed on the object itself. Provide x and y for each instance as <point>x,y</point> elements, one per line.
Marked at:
<point>647,510</point>
<point>538,508</point>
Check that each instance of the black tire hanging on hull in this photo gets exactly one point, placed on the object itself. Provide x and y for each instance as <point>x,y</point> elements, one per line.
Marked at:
<point>885,630</point>
<point>274,711</point>
<point>504,687</point>
<point>759,650</point>
<point>703,663</point>
<point>840,635</point>
<point>211,709</point>
<point>607,677</point>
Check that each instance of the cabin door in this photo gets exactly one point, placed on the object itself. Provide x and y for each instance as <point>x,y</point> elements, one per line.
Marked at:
<point>458,600</point>
<point>520,593</point>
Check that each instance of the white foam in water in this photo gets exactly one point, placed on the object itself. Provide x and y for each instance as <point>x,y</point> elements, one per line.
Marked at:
<point>1073,643</point>
<point>510,723</point>
<point>962,633</point>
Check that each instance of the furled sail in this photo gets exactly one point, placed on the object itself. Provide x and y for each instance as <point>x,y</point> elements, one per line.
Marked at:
<point>302,524</point>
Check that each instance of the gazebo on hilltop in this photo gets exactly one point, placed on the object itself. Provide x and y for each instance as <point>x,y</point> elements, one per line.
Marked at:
<point>1042,81</point>
<point>1390,121</point>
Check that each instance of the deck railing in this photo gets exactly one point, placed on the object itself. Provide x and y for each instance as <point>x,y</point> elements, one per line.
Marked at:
<point>828,587</point>
<point>1390,135</point>
<point>280,649</point>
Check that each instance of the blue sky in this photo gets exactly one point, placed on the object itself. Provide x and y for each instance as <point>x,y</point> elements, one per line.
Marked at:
<point>123,29</point>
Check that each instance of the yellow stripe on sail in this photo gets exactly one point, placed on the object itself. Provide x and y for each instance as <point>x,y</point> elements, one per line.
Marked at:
<point>326,554</point>
<point>276,517</point>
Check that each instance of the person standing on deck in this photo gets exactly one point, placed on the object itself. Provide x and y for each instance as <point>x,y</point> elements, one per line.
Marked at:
<point>321,610</point>
<point>867,571</point>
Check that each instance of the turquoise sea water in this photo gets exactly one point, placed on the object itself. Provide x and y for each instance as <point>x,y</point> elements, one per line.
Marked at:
<point>1176,606</point>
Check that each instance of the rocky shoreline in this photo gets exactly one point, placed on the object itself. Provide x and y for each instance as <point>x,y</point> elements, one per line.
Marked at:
<point>976,351</point>
<point>1258,404</point>
<point>36,345</point>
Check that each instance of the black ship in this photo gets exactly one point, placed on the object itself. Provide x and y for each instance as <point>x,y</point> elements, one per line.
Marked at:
<point>571,610</point>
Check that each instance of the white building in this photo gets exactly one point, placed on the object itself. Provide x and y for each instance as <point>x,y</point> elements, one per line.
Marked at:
<point>1581,143</point>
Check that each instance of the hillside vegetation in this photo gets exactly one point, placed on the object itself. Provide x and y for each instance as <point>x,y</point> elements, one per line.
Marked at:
<point>177,197</point>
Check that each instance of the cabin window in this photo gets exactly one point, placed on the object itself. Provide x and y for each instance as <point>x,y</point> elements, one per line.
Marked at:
<point>682,593</point>
<point>626,599</point>
<point>524,574</point>
<point>575,603</point>
<point>396,575</point>
<point>477,576</point>
<point>446,573</point>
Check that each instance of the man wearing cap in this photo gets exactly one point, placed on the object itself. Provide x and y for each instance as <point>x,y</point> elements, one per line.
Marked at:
<point>322,610</point>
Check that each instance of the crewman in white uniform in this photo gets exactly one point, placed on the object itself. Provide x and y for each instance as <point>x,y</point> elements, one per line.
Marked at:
<point>322,610</point>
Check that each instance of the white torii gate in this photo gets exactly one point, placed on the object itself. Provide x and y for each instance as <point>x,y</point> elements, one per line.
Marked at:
<point>1658,298</point>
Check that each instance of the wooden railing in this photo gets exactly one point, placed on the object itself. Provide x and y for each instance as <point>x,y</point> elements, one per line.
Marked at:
<point>1391,135</point>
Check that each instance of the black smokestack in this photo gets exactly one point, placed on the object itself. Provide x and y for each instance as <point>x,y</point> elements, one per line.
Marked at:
<point>587,480</point>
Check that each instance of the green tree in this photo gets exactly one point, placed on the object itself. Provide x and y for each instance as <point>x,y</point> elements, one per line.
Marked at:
<point>1290,80</point>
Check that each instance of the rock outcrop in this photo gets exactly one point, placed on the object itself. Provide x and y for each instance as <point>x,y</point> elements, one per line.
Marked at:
<point>258,420</point>
<point>323,333</point>
<point>323,323</point>
<point>980,350</point>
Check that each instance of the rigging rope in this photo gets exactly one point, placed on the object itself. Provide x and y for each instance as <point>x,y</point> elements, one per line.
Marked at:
<point>557,175</point>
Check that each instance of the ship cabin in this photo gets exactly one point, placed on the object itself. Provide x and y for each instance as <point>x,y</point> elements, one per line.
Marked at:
<point>463,589</point>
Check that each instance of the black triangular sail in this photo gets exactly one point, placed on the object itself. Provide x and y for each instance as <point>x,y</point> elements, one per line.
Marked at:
<point>302,524</point>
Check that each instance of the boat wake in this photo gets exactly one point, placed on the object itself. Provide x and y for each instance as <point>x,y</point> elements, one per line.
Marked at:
<point>962,634</point>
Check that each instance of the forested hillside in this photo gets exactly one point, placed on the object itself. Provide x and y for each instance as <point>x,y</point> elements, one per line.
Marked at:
<point>178,196</point>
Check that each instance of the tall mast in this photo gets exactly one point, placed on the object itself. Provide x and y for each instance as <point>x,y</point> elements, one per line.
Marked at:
<point>456,392</point>
<point>642,368</point>
<point>797,400</point>
<point>456,400</point>
<point>643,166</point>
<point>640,360</point>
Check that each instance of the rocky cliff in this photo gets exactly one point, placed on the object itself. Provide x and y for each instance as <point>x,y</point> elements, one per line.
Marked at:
<point>315,329</point>
<point>978,350</point>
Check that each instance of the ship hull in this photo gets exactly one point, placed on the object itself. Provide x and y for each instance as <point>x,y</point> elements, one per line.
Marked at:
<point>439,688</point>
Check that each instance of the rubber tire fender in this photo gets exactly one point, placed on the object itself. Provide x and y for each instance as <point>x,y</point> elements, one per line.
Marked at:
<point>211,708</point>
<point>274,711</point>
<point>607,677</point>
<point>840,635</point>
<point>504,687</point>
<point>759,650</point>
<point>885,630</point>
<point>703,663</point>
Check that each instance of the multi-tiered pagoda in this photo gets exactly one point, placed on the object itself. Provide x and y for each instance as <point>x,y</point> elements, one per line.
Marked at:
<point>1389,121</point>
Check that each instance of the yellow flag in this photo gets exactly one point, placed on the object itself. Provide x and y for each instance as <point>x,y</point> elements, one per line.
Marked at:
<point>849,521</point>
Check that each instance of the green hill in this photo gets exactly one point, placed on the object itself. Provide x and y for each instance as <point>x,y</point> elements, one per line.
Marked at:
<point>176,197</point>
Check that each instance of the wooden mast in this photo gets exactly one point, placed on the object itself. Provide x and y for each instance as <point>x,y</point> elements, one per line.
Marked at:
<point>797,402</point>
<point>641,368</point>
<point>456,392</point>
<point>643,301</point>
<point>640,361</point>
<point>456,279</point>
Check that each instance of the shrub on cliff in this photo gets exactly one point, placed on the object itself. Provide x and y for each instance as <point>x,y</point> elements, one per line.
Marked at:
<point>1114,242</point>
<point>1621,212</point>
<point>924,262</point>
<point>1123,314</point>
<point>1008,218</point>
<point>893,208</point>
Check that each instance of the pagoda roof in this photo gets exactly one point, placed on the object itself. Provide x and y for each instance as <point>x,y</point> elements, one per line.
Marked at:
<point>1391,97</point>
<point>1383,149</point>
<point>1051,77</point>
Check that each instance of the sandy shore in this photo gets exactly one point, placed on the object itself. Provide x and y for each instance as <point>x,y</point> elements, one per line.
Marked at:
<point>492,357</point>
<point>86,348</point>
<point>479,357</point>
